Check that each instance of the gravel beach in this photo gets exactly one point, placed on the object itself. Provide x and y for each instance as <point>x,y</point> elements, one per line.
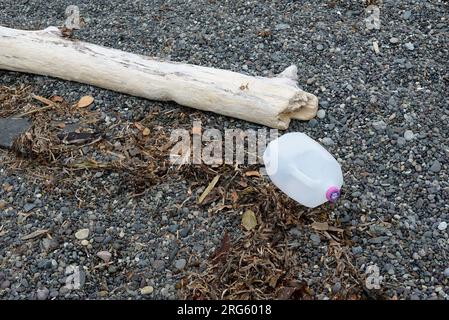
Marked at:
<point>384,115</point>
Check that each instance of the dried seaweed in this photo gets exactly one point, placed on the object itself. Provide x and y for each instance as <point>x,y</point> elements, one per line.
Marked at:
<point>258,264</point>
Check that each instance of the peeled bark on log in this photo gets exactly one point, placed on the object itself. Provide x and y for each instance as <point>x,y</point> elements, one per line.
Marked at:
<point>269,101</point>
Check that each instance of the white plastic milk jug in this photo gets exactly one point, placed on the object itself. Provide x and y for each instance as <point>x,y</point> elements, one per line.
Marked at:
<point>303,169</point>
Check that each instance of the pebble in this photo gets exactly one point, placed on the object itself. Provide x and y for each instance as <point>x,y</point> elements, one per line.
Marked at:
<point>379,125</point>
<point>3,204</point>
<point>315,239</point>
<point>407,14</point>
<point>313,123</point>
<point>357,250</point>
<point>173,228</point>
<point>198,248</point>
<point>54,293</point>
<point>336,287</point>
<point>321,114</point>
<point>184,232</point>
<point>394,40</point>
<point>320,47</point>
<point>104,255</point>
<point>112,269</point>
<point>64,290</point>
<point>409,46</point>
<point>50,244</point>
<point>82,234</point>
<point>378,240</point>
<point>147,290</point>
<point>446,272</point>
<point>180,264</point>
<point>376,47</point>
<point>281,26</point>
<point>158,265</point>
<point>401,141</point>
<point>310,80</point>
<point>327,141</point>
<point>44,264</point>
<point>85,242</point>
<point>5,284</point>
<point>436,166</point>
<point>442,226</point>
<point>42,294</point>
<point>28,207</point>
<point>102,293</point>
<point>408,135</point>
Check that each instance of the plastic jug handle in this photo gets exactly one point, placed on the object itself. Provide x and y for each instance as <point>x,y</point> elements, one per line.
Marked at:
<point>301,176</point>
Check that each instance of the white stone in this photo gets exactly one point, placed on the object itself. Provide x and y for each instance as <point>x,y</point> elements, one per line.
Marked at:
<point>409,135</point>
<point>442,226</point>
<point>409,46</point>
<point>376,47</point>
<point>394,40</point>
<point>321,113</point>
<point>82,234</point>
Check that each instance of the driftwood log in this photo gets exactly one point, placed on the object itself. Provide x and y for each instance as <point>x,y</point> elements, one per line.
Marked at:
<point>269,101</point>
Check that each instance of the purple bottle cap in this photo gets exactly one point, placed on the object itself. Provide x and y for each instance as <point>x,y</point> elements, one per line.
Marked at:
<point>332,194</point>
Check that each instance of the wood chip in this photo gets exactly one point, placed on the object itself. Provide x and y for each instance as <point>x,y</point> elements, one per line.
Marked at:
<point>139,126</point>
<point>324,226</point>
<point>234,196</point>
<point>85,101</point>
<point>321,226</point>
<point>273,280</point>
<point>252,173</point>
<point>7,187</point>
<point>335,229</point>
<point>57,99</point>
<point>35,234</point>
<point>145,131</point>
<point>208,189</point>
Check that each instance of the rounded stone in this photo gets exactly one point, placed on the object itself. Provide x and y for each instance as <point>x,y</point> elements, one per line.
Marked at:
<point>147,290</point>
<point>180,264</point>
<point>327,141</point>
<point>321,114</point>
<point>409,46</point>
<point>82,234</point>
<point>394,40</point>
<point>442,226</point>
<point>104,255</point>
<point>408,135</point>
<point>42,294</point>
